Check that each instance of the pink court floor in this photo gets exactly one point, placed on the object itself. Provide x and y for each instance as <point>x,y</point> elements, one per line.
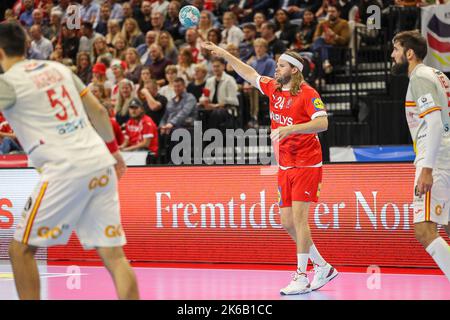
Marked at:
<point>94,283</point>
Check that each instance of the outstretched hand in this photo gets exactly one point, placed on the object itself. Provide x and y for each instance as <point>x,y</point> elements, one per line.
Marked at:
<point>215,50</point>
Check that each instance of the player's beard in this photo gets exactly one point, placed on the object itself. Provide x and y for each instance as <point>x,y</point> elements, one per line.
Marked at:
<point>400,68</point>
<point>284,80</point>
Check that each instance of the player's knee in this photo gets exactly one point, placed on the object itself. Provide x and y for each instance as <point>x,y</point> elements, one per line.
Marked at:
<point>288,224</point>
<point>424,234</point>
<point>112,257</point>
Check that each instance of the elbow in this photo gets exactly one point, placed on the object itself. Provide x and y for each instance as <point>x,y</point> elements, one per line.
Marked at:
<point>323,124</point>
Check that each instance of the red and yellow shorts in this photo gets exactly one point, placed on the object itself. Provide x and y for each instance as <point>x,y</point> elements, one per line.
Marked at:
<point>299,184</point>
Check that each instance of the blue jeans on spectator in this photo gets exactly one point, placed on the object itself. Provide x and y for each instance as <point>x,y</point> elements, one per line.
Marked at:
<point>7,145</point>
<point>322,47</point>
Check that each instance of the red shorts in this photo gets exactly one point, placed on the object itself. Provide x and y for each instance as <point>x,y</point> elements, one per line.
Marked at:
<point>298,184</point>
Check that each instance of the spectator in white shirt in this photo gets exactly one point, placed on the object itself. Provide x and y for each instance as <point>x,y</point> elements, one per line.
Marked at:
<point>88,37</point>
<point>160,6</point>
<point>168,91</point>
<point>231,33</point>
<point>223,97</point>
<point>39,43</point>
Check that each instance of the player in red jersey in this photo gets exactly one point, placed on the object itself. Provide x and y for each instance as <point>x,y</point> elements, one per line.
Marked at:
<point>141,133</point>
<point>297,114</point>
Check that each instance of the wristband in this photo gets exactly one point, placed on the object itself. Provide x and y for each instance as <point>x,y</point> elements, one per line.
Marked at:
<point>112,146</point>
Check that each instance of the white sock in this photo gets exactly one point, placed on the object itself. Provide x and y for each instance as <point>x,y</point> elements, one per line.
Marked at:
<point>439,250</point>
<point>302,261</point>
<point>315,256</point>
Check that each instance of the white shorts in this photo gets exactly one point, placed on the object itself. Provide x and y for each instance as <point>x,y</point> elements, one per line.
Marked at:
<point>88,205</point>
<point>434,205</point>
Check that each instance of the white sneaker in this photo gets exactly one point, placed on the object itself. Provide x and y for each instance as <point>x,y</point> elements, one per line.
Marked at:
<point>299,285</point>
<point>323,275</point>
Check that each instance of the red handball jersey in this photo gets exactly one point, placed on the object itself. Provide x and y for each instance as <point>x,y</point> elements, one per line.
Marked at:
<point>4,125</point>
<point>298,150</point>
<point>139,130</point>
<point>117,131</point>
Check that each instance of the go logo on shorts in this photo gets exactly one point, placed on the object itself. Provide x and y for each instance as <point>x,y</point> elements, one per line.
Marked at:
<point>438,210</point>
<point>113,231</point>
<point>99,182</point>
<point>46,232</point>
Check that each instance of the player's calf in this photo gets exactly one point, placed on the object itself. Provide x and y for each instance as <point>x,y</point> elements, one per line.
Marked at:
<point>118,266</point>
<point>26,275</point>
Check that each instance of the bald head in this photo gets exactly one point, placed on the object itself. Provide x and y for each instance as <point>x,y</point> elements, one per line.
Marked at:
<point>38,16</point>
<point>191,36</point>
<point>150,37</point>
<point>156,52</point>
<point>36,32</point>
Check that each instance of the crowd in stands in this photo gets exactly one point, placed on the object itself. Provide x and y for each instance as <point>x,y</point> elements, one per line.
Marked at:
<point>152,74</point>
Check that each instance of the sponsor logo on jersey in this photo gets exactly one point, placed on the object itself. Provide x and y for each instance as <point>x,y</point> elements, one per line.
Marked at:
<point>425,102</point>
<point>283,120</point>
<point>438,210</point>
<point>318,104</point>
<point>289,103</point>
<point>28,204</point>
<point>71,126</point>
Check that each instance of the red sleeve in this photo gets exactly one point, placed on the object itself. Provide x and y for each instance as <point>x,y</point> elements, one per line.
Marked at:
<point>117,132</point>
<point>148,129</point>
<point>266,85</point>
<point>314,105</point>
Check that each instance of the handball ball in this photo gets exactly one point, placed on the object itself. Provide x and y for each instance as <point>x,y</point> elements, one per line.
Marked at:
<point>189,16</point>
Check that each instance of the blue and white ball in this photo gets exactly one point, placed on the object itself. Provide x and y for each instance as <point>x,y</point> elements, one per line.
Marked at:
<point>189,16</point>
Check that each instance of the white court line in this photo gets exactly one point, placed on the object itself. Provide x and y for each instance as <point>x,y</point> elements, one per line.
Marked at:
<point>284,271</point>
